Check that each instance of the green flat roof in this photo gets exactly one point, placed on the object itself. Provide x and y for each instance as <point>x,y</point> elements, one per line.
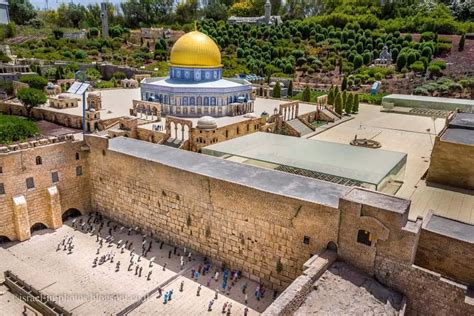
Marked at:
<point>351,162</point>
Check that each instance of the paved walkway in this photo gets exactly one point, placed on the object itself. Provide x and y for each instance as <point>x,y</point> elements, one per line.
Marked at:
<point>75,284</point>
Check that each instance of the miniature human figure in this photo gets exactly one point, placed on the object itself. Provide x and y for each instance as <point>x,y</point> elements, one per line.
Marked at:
<point>246,311</point>
<point>198,290</point>
<point>209,307</point>
<point>181,286</point>
<point>224,307</point>
<point>216,276</point>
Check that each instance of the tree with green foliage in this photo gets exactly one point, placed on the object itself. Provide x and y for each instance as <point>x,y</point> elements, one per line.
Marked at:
<point>93,32</point>
<point>34,81</point>
<point>21,11</point>
<point>427,52</point>
<point>31,98</point>
<point>119,75</point>
<point>349,102</point>
<point>358,61</point>
<point>290,89</point>
<point>338,104</point>
<point>276,92</point>
<point>401,62</point>
<point>344,84</point>
<point>58,33</point>
<point>461,42</point>
<point>306,97</point>
<point>344,98</point>
<point>93,74</point>
<point>355,103</point>
<point>331,96</point>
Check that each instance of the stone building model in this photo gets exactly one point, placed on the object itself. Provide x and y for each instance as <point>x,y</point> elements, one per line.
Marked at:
<point>242,216</point>
<point>195,86</point>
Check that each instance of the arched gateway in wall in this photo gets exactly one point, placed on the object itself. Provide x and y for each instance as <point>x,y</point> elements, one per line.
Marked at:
<point>71,213</point>
<point>37,227</point>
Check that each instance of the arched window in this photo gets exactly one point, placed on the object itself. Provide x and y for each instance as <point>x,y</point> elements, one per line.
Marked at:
<point>185,100</point>
<point>199,101</point>
<point>192,101</point>
<point>206,101</point>
<point>213,101</point>
<point>39,161</point>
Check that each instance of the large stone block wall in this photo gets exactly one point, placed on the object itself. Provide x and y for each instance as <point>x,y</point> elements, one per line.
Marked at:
<point>240,226</point>
<point>451,164</point>
<point>427,292</point>
<point>20,208</point>
<point>448,256</point>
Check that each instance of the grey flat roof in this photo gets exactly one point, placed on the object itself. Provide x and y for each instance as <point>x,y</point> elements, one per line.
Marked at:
<point>375,199</point>
<point>450,228</point>
<point>460,130</point>
<point>463,120</point>
<point>460,136</point>
<point>266,180</point>
<point>346,161</point>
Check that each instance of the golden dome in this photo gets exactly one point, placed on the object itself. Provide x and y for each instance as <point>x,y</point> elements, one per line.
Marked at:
<point>195,49</point>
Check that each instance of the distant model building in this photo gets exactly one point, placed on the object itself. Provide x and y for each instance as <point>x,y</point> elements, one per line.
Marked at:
<point>4,16</point>
<point>76,35</point>
<point>268,18</point>
<point>195,86</point>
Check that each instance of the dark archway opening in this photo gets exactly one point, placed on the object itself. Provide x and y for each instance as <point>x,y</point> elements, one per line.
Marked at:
<point>37,227</point>
<point>332,246</point>
<point>71,213</point>
<point>4,239</point>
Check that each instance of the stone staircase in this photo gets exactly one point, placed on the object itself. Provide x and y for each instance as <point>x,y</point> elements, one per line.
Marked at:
<point>173,142</point>
<point>330,115</point>
<point>300,127</point>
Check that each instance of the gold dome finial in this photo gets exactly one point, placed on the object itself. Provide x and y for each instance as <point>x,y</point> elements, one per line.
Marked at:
<point>195,50</point>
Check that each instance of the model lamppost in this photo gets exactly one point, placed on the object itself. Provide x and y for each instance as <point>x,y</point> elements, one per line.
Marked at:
<point>80,87</point>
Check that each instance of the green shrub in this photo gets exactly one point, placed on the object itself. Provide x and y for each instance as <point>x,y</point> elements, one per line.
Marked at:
<point>13,129</point>
<point>434,69</point>
<point>418,66</point>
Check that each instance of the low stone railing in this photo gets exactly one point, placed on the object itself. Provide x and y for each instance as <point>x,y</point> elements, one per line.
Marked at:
<point>36,143</point>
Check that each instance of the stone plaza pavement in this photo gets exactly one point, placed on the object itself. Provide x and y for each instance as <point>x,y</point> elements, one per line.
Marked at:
<point>76,285</point>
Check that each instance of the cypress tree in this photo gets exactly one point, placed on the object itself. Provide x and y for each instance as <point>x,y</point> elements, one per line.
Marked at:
<point>344,84</point>
<point>349,101</point>
<point>344,99</point>
<point>355,104</point>
<point>290,89</point>
<point>331,96</point>
<point>276,92</point>
<point>461,42</point>
<point>338,104</point>
<point>306,94</point>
